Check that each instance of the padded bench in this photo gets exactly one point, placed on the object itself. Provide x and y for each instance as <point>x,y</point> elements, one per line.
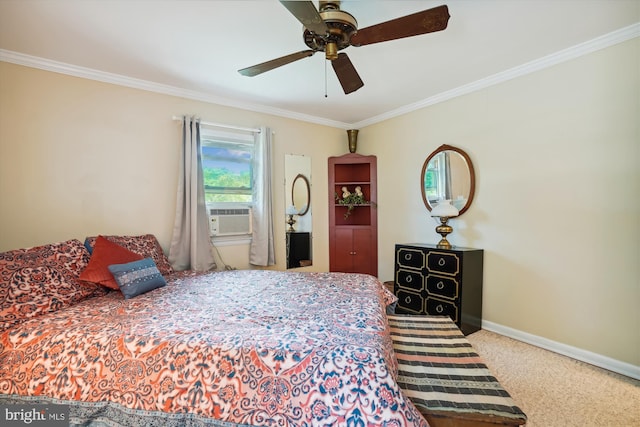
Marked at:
<point>445,378</point>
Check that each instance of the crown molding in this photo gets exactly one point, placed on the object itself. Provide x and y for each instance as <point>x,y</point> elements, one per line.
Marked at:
<point>121,80</point>
<point>602,42</point>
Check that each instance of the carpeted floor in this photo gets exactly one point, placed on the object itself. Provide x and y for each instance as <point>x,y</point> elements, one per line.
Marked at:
<point>554,390</point>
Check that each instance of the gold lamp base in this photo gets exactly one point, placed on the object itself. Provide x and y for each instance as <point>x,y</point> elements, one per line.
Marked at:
<point>291,221</point>
<point>443,229</point>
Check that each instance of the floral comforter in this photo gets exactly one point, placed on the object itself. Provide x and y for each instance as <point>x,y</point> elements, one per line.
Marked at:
<point>261,348</point>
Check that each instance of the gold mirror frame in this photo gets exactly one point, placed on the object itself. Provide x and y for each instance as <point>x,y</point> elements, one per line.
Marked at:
<point>472,177</point>
<point>308,191</point>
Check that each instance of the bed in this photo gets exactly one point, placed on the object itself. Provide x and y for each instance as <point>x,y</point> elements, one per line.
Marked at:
<point>233,348</point>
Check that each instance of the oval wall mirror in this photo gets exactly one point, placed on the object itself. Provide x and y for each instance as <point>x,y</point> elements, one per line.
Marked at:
<point>448,174</point>
<point>301,194</point>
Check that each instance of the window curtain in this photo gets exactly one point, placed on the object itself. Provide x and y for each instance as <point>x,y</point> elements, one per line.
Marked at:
<point>191,247</point>
<point>262,250</point>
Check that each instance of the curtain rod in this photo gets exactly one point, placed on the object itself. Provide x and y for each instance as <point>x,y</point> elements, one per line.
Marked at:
<point>218,125</point>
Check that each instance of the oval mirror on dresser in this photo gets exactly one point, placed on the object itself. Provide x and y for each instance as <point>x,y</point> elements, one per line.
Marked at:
<point>448,174</point>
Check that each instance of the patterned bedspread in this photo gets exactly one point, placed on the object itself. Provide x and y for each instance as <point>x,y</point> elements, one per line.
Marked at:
<point>231,348</point>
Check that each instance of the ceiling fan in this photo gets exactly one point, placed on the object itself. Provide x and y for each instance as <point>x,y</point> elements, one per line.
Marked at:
<point>330,30</point>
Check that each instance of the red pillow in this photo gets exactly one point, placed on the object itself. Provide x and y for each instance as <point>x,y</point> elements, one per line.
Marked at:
<point>106,253</point>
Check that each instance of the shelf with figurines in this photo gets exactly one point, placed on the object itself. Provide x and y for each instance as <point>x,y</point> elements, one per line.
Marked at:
<point>349,201</point>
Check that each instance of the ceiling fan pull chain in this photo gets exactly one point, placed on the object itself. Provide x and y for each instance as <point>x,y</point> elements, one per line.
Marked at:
<point>325,78</point>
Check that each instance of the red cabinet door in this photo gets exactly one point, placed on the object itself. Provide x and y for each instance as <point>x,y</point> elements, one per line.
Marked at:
<point>354,251</point>
<point>341,260</point>
<point>363,247</point>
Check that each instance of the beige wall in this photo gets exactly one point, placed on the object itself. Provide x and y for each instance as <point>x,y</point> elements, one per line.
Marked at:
<point>552,151</point>
<point>557,203</point>
<point>79,157</point>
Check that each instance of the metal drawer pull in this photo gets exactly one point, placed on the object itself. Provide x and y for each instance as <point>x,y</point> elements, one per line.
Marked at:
<point>441,262</point>
<point>439,308</point>
<point>407,300</point>
<point>407,257</point>
<point>409,279</point>
<point>440,285</point>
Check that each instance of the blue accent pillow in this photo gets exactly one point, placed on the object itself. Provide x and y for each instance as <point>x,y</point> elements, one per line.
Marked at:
<point>87,244</point>
<point>137,277</point>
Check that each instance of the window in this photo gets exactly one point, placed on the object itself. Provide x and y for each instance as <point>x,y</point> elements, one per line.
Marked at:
<point>432,180</point>
<point>227,165</point>
<point>437,179</point>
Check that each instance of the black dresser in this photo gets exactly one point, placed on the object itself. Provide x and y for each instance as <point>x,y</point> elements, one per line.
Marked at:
<point>298,249</point>
<point>441,282</point>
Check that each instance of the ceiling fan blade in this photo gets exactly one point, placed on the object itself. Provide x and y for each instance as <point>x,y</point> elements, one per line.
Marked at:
<point>347,74</point>
<point>274,63</point>
<point>307,14</point>
<point>427,21</point>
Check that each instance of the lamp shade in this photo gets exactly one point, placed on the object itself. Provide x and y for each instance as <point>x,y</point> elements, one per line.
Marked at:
<point>291,210</point>
<point>443,209</point>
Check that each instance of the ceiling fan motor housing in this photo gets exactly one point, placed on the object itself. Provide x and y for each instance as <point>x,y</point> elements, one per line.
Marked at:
<point>341,26</point>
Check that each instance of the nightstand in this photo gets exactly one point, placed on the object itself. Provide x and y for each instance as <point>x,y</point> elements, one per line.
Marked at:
<point>389,285</point>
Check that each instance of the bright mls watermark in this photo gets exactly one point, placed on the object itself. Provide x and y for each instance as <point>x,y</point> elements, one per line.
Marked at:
<point>34,415</point>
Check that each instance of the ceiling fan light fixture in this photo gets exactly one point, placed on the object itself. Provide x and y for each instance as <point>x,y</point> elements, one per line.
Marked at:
<point>331,51</point>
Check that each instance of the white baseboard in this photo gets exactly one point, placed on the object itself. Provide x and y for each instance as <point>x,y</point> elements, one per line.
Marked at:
<point>599,360</point>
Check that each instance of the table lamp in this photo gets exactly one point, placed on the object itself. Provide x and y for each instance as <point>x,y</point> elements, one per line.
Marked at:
<point>444,210</point>
<point>291,211</point>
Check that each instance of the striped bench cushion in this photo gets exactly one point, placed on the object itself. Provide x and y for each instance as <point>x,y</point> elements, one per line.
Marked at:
<point>441,373</point>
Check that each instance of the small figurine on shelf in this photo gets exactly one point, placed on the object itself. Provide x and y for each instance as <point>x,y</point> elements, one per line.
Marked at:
<point>359,192</point>
<point>345,192</point>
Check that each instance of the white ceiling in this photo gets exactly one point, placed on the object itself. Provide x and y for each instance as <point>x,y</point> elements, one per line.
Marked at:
<point>196,47</point>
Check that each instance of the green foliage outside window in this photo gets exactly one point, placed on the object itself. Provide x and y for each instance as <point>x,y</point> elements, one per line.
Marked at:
<point>227,171</point>
<point>219,182</point>
<point>431,184</point>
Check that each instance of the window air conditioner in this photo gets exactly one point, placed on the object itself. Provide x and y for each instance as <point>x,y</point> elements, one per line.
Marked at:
<point>230,222</point>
